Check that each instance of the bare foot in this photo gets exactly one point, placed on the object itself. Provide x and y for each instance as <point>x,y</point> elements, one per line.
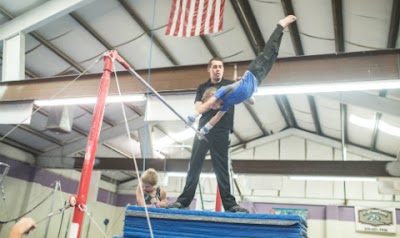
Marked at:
<point>287,21</point>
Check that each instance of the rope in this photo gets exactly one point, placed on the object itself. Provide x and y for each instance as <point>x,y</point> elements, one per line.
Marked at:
<point>148,81</point>
<point>133,153</point>
<point>24,214</point>
<point>84,209</point>
<point>145,131</point>
<point>145,122</point>
<point>61,210</point>
<point>58,211</point>
<point>61,222</point>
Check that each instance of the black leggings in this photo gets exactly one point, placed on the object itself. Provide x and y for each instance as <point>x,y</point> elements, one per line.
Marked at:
<point>262,64</point>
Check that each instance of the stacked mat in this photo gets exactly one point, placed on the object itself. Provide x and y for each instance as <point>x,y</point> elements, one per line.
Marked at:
<point>199,224</point>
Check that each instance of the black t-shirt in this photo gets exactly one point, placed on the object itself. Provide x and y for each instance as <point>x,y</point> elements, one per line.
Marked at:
<point>227,120</point>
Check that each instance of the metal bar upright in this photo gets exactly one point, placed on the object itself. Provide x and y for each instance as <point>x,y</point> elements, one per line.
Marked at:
<point>91,147</point>
<point>218,201</point>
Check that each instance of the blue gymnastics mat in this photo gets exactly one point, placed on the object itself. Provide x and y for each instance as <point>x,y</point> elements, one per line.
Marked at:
<point>201,224</point>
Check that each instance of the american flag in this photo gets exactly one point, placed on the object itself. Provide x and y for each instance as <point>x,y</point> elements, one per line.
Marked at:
<point>195,17</point>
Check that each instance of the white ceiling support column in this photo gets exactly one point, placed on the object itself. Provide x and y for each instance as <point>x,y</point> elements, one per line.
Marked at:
<point>14,58</point>
<point>16,112</point>
<point>13,33</point>
<point>146,142</point>
<point>40,16</point>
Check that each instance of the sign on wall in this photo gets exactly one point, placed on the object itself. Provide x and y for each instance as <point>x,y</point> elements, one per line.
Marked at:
<point>376,220</point>
<point>291,211</point>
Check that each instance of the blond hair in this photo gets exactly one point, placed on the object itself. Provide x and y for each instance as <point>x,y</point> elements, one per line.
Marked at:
<point>150,176</point>
<point>208,94</point>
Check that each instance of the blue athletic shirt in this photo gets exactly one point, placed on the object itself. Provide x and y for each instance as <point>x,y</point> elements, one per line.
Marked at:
<point>246,88</point>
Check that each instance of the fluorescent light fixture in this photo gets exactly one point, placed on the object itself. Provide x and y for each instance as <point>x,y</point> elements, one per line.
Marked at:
<point>183,135</point>
<point>163,142</point>
<point>89,100</point>
<point>179,136</point>
<point>329,87</point>
<point>370,124</point>
<point>333,178</point>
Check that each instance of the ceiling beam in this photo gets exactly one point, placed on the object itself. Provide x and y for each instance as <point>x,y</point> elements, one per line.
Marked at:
<point>20,146</point>
<point>148,31</point>
<point>95,34</point>
<point>265,167</point>
<point>338,24</point>
<point>210,46</point>
<point>40,16</point>
<point>294,31</point>
<point>248,21</point>
<point>247,166</point>
<point>50,46</point>
<point>343,130</point>
<point>344,67</point>
<point>314,114</point>
<point>57,51</point>
<point>364,152</point>
<point>286,110</point>
<point>91,30</point>
<point>365,100</point>
<point>15,153</point>
<point>376,131</point>
<point>90,110</point>
<point>382,93</point>
<point>30,73</point>
<point>39,134</point>
<point>394,24</point>
<point>256,118</point>
<point>110,123</point>
<point>312,168</point>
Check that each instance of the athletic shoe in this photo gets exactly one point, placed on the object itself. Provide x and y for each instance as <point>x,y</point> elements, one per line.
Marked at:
<point>177,205</point>
<point>237,209</point>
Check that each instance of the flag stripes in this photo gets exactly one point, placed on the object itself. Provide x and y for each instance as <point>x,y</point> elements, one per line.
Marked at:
<point>195,17</point>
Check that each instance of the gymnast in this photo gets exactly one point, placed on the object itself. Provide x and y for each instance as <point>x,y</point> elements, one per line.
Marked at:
<point>153,195</point>
<point>242,90</point>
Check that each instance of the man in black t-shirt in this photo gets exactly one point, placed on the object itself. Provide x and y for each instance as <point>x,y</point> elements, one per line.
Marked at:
<point>218,145</point>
